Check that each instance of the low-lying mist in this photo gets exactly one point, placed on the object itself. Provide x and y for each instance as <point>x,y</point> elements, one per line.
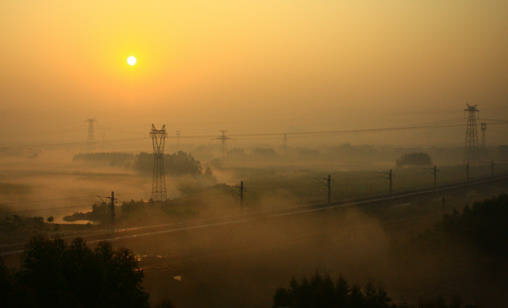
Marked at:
<point>243,264</point>
<point>242,261</point>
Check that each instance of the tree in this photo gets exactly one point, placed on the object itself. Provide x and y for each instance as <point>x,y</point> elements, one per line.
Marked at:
<point>414,159</point>
<point>165,304</point>
<point>56,274</point>
<point>483,226</point>
<point>341,291</point>
<point>319,291</point>
<point>176,164</point>
<point>5,286</point>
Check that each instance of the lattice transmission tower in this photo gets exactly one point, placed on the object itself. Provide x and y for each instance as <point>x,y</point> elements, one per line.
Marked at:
<point>91,132</point>
<point>178,139</point>
<point>471,149</point>
<point>223,138</point>
<point>159,192</point>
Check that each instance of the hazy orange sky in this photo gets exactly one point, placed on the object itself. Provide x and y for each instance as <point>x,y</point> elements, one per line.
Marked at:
<point>248,66</point>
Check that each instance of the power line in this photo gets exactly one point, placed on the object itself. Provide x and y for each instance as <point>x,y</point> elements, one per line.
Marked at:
<point>279,134</point>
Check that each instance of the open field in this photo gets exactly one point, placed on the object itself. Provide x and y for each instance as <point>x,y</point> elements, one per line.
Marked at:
<point>226,254</point>
<point>48,186</point>
<point>241,264</point>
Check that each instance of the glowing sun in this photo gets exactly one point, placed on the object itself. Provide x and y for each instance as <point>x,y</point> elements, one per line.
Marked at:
<point>131,60</point>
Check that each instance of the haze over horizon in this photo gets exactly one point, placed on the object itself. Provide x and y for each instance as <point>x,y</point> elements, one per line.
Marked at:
<point>254,153</point>
<point>250,66</point>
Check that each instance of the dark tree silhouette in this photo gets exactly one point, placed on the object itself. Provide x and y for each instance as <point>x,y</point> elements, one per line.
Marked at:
<point>483,226</point>
<point>320,291</point>
<point>179,163</point>
<point>165,304</point>
<point>115,159</point>
<point>56,274</point>
<point>6,295</point>
<point>414,159</point>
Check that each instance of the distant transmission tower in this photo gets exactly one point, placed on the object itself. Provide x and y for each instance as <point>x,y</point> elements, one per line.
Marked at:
<point>159,173</point>
<point>178,139</point>
<point>91,132</point>
<point>223,138</point>
<point>471,149</point>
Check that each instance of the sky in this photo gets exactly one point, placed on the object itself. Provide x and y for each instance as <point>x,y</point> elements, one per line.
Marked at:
<point>247,66</point>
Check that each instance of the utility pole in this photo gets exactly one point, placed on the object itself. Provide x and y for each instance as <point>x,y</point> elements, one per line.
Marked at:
<point>467,171</point>
<point>113,206</point>
<point>435,176</point>
<point>483,126</point>
<point>241,193</point>
<point>285,141</point>
<point>390,178</point>
<point>329,186</point>
<point>492,168</point>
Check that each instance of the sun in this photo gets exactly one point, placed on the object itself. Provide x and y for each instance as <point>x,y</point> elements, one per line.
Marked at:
<point>131,60</point>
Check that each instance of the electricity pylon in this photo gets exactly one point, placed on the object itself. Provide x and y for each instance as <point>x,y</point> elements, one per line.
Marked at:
<point>223,139</point>
<point>471,149</point>
<point>91,133</point>
<point>159,173</point>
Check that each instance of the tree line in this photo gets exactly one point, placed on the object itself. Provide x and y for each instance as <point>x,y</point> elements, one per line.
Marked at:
<point>482,226</point>
<point>321,291</point>
<point>179,163</point>
<point>54,273</point>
